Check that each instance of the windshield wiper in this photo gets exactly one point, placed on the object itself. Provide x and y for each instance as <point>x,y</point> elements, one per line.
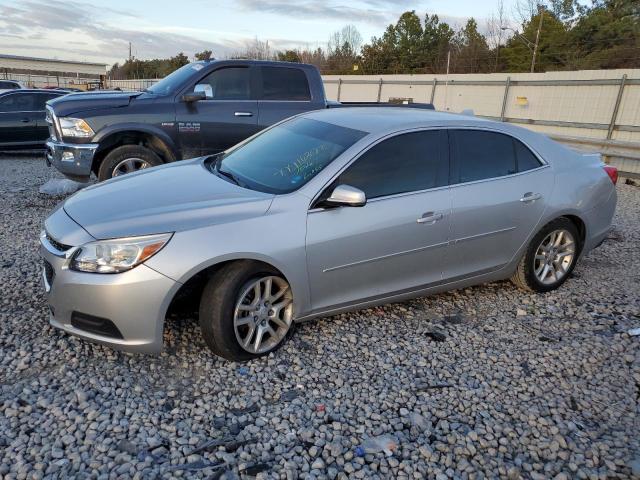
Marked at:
<point>225,173</point>
<point>229,175</point>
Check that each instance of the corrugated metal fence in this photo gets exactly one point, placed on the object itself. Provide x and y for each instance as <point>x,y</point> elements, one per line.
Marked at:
<point>591,110</point>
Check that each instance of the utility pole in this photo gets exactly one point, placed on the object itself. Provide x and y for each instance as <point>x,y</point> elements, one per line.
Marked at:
<point>535,46</point>
<point>129,52</point>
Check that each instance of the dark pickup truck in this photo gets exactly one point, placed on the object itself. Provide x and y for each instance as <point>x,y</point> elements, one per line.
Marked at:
<point>202,108</point>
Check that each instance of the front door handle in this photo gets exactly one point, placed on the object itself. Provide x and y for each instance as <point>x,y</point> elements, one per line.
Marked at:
<point>243,114</point>
<point>25,120</point>
<point>530,197</point>
<point>430,218</point>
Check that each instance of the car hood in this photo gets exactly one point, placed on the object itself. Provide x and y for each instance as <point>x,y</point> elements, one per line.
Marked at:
<point>80,102</point>
<point>170,198</point>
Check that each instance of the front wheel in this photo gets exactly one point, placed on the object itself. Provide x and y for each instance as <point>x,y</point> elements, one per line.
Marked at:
<point>246,311</point>
<point>127,159</point>
<point>550,258</point>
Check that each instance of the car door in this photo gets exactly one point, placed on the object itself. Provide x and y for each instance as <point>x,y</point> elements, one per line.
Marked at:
<point>499,192</point>
<point>398,240</point>
<point>17,119</point>
<point>228,115</point>
<point>42,127</point>
<point>282,93</point>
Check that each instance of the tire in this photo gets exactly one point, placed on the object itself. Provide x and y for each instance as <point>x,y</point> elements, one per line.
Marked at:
<point>116,161</point>
<point>531,269</point>
<point>220,315</point>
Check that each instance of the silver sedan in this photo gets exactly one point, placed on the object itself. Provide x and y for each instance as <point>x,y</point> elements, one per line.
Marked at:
<point>325,212</point>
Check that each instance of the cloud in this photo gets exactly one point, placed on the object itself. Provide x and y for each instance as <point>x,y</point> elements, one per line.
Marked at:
<point>70,23</point>
<point>312,9</point>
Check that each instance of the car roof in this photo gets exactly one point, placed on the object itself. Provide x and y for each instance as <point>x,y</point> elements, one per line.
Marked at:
<point>378,120</point>
<point>33,90</point>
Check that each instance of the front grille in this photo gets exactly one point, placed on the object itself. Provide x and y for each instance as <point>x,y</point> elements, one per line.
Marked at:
<point>49,272</point>
<point>57,245</point>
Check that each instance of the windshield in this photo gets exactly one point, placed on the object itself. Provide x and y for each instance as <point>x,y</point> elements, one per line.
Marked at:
<point>286,157</point>
<point>175,79</point>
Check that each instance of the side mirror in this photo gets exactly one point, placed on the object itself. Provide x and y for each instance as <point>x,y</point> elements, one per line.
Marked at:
<point>193,97</point>
<point>346,196</point>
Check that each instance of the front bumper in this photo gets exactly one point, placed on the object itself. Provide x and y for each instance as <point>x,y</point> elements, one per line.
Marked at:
<point>74,160</point>
<point>125,310</point>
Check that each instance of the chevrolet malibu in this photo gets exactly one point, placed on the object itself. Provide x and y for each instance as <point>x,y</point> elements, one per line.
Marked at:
<point>326,212</point>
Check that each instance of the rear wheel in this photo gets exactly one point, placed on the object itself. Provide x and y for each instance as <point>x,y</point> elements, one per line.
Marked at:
<point>127,159</point>
<point>246,311</point>
<point>550,258</point>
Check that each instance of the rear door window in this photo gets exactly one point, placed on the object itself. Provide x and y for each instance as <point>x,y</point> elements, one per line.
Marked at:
<point>283,83</point>
<point>408,162</point>
<point>480,155</point>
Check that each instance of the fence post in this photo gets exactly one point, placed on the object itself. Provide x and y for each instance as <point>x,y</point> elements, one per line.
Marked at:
<point>339,87</point>
<point>616,107</point>
<point>433,90</point>
<point>504,99</point>
<point>379,89</point>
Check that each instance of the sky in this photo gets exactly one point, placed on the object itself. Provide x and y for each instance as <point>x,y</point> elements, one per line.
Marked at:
<point>93,31</point>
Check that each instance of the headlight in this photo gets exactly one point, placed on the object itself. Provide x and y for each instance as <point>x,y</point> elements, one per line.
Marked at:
<point>117,255</point>
<point>75,127</point>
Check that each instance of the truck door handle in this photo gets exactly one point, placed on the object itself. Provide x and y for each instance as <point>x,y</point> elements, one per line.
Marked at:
<point>430,218</point>
<point>243,114</point>
<point>530,197</point>
<point>25,120</point>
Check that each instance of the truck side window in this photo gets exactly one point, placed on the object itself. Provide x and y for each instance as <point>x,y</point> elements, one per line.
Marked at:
<point>283,83</point>
<point>227,84</point>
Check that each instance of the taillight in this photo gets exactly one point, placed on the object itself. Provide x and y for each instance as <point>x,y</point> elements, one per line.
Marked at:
<point>612,172</point>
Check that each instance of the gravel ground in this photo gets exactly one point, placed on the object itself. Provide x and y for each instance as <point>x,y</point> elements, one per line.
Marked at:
<point>481,383</point>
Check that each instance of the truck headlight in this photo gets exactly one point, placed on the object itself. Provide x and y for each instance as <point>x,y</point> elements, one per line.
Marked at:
<point>75,127</point>
<point>116,255</point>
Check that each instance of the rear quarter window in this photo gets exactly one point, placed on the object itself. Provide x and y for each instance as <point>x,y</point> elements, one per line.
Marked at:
<point>526,159</point>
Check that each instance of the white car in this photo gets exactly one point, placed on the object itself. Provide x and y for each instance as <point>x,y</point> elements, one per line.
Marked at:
<point>7,85</point>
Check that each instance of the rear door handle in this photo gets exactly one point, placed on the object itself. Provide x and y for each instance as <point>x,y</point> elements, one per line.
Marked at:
<point>243,114</point>
<point>530,197</point>
<point>25,120</point>
<point>430,218</point>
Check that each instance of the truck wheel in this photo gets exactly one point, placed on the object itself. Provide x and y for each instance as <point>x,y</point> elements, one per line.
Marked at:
<point>246,311</point>
<point>127,159</point>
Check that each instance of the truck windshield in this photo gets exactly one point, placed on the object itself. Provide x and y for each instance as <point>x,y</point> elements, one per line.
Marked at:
<point>172,81</point>
<point>285,157</point>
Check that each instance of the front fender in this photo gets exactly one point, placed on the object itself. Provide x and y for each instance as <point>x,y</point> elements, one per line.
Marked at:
<point>105,133</point>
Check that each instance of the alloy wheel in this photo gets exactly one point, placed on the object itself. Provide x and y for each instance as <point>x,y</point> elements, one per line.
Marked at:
<point>554,256</point>
<point>263,314</point>
<point>130,165</point>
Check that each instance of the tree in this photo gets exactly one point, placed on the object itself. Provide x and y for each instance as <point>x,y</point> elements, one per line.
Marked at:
<point>495,33</point>
<point>289,56</point>
<point>553,49</point>
<point>343,50</point>
<point>204,55</point>
<point>607,35</point>
<point>437,39</point>
<point>472,54</point>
